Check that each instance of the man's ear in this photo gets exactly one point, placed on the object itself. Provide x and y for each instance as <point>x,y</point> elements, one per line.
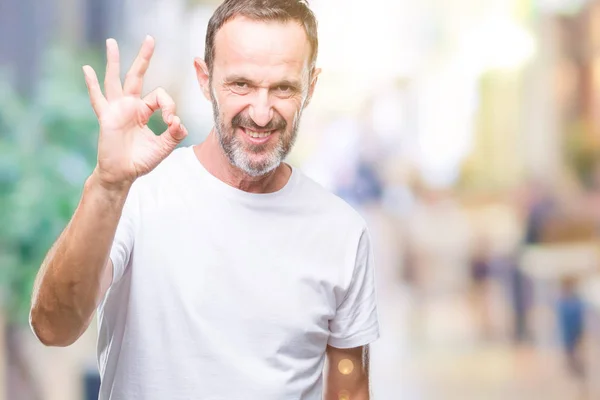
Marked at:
<point>203,76</point>
<point>313,83</point>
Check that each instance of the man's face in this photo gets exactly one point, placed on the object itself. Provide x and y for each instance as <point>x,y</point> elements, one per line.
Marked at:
<point>259,85</point>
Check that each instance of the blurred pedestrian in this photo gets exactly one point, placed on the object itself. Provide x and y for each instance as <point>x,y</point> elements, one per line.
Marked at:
<point>570,310</point>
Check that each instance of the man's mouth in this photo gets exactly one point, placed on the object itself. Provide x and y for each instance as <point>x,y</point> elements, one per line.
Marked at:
<point>257,137</point>
<point>257,134</point>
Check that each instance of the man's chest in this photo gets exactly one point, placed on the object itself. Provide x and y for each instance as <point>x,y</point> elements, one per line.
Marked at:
<point>272,289</point>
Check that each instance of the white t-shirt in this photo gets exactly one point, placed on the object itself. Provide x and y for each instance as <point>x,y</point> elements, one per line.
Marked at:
<point>220,294</point>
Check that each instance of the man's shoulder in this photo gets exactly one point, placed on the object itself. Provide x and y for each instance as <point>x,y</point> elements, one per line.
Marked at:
<point>328,205</point>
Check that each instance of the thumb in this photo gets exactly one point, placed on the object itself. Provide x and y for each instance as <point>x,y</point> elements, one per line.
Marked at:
<point>174,134</point>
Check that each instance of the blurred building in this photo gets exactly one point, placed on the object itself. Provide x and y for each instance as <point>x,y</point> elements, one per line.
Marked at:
<point>35,25</point>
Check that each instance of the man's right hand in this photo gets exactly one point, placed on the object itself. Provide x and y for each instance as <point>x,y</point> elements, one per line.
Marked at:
<point>127,148</point>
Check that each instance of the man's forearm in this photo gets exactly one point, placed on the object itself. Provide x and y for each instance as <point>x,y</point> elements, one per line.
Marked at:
<point>358,392</point>
<point>69,283</point>
<point>347,374</point>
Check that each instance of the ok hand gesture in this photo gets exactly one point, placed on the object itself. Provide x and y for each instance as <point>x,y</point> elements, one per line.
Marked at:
<point>127,148</point>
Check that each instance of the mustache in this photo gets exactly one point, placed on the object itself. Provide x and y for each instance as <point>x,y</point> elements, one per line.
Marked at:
<point>242,120</point>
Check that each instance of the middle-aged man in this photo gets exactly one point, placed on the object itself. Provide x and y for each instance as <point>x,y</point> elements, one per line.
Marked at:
<point>218,271</point>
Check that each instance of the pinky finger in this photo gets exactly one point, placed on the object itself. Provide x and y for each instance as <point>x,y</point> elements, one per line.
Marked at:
<point>96,98</point>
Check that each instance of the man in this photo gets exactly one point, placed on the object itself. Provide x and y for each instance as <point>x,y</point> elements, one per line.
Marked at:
<point>218,271</point>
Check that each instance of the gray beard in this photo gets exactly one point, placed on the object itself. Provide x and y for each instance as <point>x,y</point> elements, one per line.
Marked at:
<point>239,155</point>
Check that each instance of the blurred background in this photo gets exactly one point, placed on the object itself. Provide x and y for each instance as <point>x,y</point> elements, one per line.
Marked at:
<point>466,132</point>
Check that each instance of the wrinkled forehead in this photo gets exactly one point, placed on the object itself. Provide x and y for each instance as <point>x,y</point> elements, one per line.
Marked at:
<point>261,50</point>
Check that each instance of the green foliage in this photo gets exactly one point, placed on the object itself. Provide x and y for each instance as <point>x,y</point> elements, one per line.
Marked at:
<point>48,148</point>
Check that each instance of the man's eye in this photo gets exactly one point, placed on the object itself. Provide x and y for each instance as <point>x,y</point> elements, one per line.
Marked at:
<point>240,87</point>
<point>284,88</point>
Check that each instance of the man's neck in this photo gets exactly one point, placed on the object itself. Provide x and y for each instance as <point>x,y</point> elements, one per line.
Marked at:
<point>210,154</point>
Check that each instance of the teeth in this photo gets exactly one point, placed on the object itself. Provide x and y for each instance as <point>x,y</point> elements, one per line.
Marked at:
<point>257,134</point>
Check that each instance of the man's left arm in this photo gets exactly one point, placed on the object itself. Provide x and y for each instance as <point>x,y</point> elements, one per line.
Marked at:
<point>347,374</point>
<point>353,327</point>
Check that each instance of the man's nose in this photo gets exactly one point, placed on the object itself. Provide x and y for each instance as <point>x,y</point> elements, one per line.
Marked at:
<point>261,110</point>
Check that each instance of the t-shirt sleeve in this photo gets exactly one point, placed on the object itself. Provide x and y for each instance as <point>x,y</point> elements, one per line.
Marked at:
<point>122,246</point>
<point>356,323</point>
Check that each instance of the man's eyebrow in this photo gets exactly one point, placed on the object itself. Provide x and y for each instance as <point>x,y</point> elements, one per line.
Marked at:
<point>284,82</point>
<point>236,78</point>
<point>287,82</point>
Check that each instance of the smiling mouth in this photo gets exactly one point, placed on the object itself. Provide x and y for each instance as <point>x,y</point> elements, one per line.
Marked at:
<point>257,134</point>
<point>257,137</point>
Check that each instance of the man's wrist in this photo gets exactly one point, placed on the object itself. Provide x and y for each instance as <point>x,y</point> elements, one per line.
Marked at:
<point>114,193</point>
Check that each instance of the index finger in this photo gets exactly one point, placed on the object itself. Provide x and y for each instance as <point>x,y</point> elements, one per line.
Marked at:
<point>134,79</point>
<point>160,99</point>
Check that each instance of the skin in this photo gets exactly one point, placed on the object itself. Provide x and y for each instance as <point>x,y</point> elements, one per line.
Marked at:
<point>261,72</point>
<point>356,384</point>
<point>77,272</point>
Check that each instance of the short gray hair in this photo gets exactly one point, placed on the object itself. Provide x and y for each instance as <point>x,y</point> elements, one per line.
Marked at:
<point>262,10</point>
